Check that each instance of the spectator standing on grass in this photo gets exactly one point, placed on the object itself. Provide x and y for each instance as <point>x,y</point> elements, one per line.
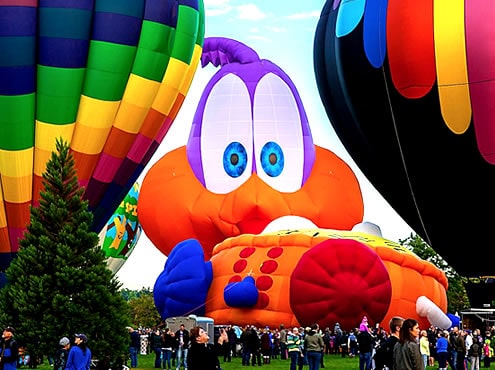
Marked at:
<point>424,347</point>
<point>442,347</point>
<point>62,354</point>
<point>313,345</point>
<point>134,346</point>
<point>168,344</point>
<point>406,353</point>
<point>182,338</point>
<point>9,350</point>
<point>201,355</point>
<point>79,354</point>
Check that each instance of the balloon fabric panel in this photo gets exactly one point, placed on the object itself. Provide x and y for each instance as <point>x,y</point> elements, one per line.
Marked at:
<point>82,70</point>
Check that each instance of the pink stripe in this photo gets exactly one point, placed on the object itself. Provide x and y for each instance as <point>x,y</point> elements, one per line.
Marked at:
<point>139,148</point>
<point>107,167</point>
<point>481,72</point>
<point>33,3</point>
<point>15,234</point>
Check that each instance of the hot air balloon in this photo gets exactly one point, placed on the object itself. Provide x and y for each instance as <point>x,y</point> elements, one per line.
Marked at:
<point>250,169</point>
<point>122,231</point>
<point>106,76</point>
<point>407,86</point>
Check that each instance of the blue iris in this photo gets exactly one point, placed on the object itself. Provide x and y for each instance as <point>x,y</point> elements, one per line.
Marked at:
<point>235,159</point>
<point>272,159</point>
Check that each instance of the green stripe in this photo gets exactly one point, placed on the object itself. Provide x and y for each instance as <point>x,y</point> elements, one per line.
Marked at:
<point>108,69</point>
<point>17,122</point>
<point>59,92</point>
<point>186,34</point>
<point>153,53</point>
<point>201,28</point>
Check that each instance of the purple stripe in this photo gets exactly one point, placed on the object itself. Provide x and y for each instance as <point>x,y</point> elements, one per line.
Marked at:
<point>164,12</point>
<point>18,21</point>
<point>74,4</point>
<point>117,28</point>
<point>107,166</point>
<point>139,148</point>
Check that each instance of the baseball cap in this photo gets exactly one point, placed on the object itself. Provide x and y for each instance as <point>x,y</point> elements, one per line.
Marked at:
<point>10,329</point>
<point>82,337</point>
<point>64,341</point>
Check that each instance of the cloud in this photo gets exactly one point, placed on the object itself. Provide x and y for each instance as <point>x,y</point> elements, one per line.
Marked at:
<point>250,12</point>
<point>313,14</point>
<point>215,8</point>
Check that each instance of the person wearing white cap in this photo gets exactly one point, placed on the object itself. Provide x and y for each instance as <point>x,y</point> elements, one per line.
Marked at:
<point>62,354</point>
<point>79,354</point>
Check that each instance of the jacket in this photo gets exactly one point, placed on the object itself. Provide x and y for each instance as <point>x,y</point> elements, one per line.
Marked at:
<point>203,356</point>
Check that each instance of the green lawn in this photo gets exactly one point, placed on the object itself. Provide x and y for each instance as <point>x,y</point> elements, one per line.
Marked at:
<point>330,361</point>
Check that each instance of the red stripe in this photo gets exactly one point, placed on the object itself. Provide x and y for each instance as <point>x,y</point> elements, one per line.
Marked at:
<point>410,46</point>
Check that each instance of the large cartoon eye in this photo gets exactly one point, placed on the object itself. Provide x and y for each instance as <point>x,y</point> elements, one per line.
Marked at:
<point>225,159</point>
<point>235,159</point>
<point>278,135</point>
<point>272,159</point>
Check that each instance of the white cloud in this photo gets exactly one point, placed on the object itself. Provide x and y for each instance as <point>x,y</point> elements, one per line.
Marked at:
<point>307,15</point>
<point>215,8</point>
<point>250,12</point>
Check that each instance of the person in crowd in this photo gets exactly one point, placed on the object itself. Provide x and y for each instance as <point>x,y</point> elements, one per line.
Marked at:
<point>79,357</point>
<point>344,343</point>
<point>168,346</point>
<point>353,343</point>
<point>293,347</point>
<point>9,356</point>
<point>365,342</point>
<point>460,345</point>
<point>254,345</point>
<point>432,339</point>
<point>454,331</point>
<point>232,342</point>
<point>201,355</point>
<point>442,347</point>
<point>182,338</point>
<point>156,346</point>
<point>424,347</point>
<point>244,339</point>
<point>488,352</point>
<point>384,353</point>
<point>266,345</point>
<point>62,354</point>
<point>474,354</point>
<point>406,353</point>
<point>283,342</point>
<point>134,346</point>
<point>313,345</point>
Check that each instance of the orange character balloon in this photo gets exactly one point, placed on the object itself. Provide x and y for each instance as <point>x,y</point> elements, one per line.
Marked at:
<point>250,165</point>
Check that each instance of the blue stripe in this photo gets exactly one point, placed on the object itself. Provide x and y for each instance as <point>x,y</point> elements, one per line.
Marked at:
<point>18,21</point>
<point>64,53</point>
<point>17,51</point>
<point>131,8</point>
<point>163,12</point>
<point>190,3</point>
<point>74,4</point>
<point>116,28</point>
<point>18,80</point>
<point>374,31</point>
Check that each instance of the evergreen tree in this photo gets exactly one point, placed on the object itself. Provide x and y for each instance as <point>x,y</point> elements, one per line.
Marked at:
<point>59,283</point>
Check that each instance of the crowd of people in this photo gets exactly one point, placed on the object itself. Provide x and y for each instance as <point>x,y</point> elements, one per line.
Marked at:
<point>402,346</point>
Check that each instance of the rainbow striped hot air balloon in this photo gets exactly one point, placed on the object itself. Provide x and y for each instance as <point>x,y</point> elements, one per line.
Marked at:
<point>108,76</point>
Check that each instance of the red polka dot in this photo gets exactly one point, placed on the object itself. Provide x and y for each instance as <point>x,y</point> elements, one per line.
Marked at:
<point>239,266</point>
<point>263,301</point>
<point>264,282</point>
<point>246,252</point>
<point>268,267</point>
<point>275,252</point>
<point>235,279</point>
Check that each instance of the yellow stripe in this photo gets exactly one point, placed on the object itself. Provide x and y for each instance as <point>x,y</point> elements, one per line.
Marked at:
<point>94,120</point>
<point>138,97</point>
<point>169,88</point>
<point>18,189</point>
<point>451,64</point>
<point>47,133</point>
<point>3,217</point>
<point>89,139</point>
<point>41,157</point>
<point>196,57</point>
<point>17,163</point>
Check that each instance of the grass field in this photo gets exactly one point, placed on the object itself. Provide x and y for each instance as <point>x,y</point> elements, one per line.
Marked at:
<point>330,361</point>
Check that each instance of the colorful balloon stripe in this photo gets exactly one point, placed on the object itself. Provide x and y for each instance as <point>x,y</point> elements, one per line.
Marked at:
<point>89,72</point>
<point>175,80</point>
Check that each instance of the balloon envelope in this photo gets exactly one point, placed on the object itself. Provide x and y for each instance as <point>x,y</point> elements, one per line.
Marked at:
<point>122,231</point>
<point>108,77</point>
<point>406,87</point>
